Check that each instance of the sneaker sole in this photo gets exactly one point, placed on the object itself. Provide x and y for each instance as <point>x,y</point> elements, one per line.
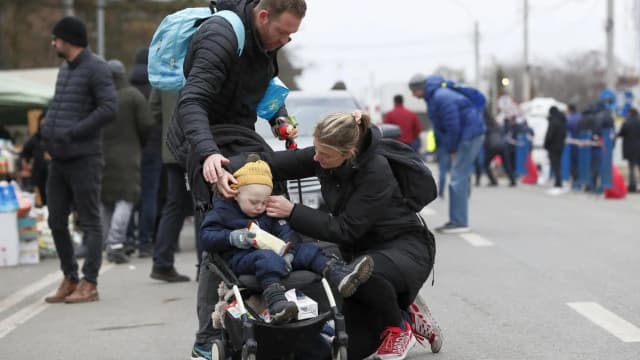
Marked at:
<point>436,344</point>
<point>360,274</point>
<point>411,344</point>
<point>454,231</point>
<point>285,316</point>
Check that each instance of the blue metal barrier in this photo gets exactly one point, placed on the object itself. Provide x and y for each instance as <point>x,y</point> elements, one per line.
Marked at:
<point>565,164</point>
<point>607,158</point>
<point>522,150</point>
<point>584,160</point>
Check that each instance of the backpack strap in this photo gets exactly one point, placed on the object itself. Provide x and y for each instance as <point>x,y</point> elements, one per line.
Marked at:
<point>236,23</point>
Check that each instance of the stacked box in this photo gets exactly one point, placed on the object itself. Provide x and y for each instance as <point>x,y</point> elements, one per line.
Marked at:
<point>9,252</point>
<point>28,233</point>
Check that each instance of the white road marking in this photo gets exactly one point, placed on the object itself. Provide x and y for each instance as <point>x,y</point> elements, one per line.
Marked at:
<point>28,312</point>
<point>476,240</point>
<point>25,292</point>
<point>607,320</point>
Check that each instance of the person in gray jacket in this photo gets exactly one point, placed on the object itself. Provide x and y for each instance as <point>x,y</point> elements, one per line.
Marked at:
<point>124,140</point>
<point>84,101</point>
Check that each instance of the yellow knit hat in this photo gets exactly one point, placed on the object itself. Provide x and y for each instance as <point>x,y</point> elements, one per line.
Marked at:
<point>254,171</point>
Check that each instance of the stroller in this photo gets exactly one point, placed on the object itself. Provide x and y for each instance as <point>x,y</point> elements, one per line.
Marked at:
<point>249,337</point>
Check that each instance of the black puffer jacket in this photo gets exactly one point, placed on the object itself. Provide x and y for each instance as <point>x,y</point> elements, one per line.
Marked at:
<point>84,101</point>
<point>367,210</point>
<point>221,88</point>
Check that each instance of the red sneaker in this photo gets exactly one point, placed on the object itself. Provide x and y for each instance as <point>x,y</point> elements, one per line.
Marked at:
<point>425,327</point>
<point>395,344</point>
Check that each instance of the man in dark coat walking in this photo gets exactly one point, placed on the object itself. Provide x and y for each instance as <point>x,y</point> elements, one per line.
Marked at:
<point>630,134</point>
<point>554,144</point>
<point>84,101</point>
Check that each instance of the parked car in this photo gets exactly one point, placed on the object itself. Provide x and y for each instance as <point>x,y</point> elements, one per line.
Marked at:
<point>309,108</point>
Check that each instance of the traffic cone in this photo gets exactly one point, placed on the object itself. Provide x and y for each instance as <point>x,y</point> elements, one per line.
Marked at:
<point>618,189</point>
<point>532,172</point>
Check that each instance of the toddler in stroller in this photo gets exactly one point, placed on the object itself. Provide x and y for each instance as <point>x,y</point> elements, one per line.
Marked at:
<point>224,232</point>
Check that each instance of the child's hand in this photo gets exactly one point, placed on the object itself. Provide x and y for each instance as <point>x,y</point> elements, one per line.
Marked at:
<point>288,259</point>
<point>242,238</point>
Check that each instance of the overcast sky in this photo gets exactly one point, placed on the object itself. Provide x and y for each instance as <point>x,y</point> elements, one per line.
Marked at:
<point>375,41</point>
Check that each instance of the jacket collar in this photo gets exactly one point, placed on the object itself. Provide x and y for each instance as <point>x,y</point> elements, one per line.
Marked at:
<point>80,58</point>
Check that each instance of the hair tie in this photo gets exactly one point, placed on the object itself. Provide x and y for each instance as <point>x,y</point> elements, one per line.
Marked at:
<point>357,116</point>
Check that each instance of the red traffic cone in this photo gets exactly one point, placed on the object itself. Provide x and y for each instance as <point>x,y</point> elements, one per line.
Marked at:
<point>532,172</point>
<point>618,189</point>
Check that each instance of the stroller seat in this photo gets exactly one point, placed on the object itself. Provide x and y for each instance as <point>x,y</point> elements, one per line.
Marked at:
<point>298,279</point>
<point>241,335</point>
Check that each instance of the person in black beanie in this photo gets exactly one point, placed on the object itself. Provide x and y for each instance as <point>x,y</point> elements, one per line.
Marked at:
<point>84,101</point>
<point>71,30</point>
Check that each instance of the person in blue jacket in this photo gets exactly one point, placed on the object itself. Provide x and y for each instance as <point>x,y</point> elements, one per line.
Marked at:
<point>456,113</point>
<point>225,231</point>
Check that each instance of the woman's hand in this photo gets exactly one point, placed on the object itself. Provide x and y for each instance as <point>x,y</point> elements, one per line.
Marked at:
<point>224,184</point>
<point>279,207</point>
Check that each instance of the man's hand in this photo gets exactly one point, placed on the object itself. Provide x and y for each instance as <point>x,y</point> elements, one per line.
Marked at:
<point>224,185</point>
<point>242,238</point>
<point>212,168</point>
<point>279,207</point>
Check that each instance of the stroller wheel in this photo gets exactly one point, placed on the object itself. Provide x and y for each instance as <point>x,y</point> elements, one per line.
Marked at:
<point>217,350</point>
<point>340,354</point>
<point>246,355</point>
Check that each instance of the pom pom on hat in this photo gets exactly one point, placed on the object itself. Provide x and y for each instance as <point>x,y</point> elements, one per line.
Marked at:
<point>254,171</point>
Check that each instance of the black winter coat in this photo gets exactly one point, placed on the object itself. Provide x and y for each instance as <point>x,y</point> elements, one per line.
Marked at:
<point>84,101</point>
<point>556,133</point>
<point>630,134</point>
<point>221,88</point>
<point>368,213</point>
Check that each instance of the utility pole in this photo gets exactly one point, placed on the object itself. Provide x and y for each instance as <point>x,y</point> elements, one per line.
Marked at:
<point>68,7</point>
<point>100,16</point>
<point>526,76</point>
<point>611,66</point>
<point>476,51</point>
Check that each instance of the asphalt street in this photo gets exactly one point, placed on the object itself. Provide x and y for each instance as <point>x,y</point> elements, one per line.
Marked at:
<point>539,277</point>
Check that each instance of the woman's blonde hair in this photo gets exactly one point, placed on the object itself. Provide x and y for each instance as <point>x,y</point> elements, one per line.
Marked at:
<point>342,131</point>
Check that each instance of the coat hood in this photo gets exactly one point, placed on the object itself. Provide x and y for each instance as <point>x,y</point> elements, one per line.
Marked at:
<point>433,83</point>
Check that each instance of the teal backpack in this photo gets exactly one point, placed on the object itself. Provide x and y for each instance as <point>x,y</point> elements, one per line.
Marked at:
<point>170,44</point>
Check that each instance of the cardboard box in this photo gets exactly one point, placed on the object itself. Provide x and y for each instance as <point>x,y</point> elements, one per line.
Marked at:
<point>29,253</point>
<point>9,252</point>
<point>28,229</point>
<point>307,307</point>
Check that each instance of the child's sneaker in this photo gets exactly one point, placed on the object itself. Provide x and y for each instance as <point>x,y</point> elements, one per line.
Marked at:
<point>425,327</point>
<point>280,309</point>
<point>396,343</point>
<point>347,277</point>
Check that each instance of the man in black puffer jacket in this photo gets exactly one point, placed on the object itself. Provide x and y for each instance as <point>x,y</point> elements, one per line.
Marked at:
<point>84,101</point>
<point>224,88</point>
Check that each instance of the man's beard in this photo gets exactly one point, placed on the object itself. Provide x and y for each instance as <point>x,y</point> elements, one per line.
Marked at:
<point>60,54</point>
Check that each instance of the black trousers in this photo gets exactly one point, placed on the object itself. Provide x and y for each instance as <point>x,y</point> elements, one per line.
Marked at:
<point>76,182</point>
<point>176,207</point>
<point>556,167</point>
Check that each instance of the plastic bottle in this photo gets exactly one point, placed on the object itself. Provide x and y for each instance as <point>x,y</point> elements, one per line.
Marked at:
<point>8,199</point>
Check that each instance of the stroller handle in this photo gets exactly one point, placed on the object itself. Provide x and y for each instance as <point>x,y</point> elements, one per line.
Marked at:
<point>236,294</point>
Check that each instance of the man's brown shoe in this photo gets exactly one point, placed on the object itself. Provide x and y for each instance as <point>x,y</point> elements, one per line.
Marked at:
<point>85,292</point>
<point>67,286</point>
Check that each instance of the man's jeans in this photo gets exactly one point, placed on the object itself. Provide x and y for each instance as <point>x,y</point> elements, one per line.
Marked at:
<point>461,170</point>
<point>150,169</point>
<point>115,219</point>
<point>444,163</point>
<point>77,182</point>
<point>172,219</point>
